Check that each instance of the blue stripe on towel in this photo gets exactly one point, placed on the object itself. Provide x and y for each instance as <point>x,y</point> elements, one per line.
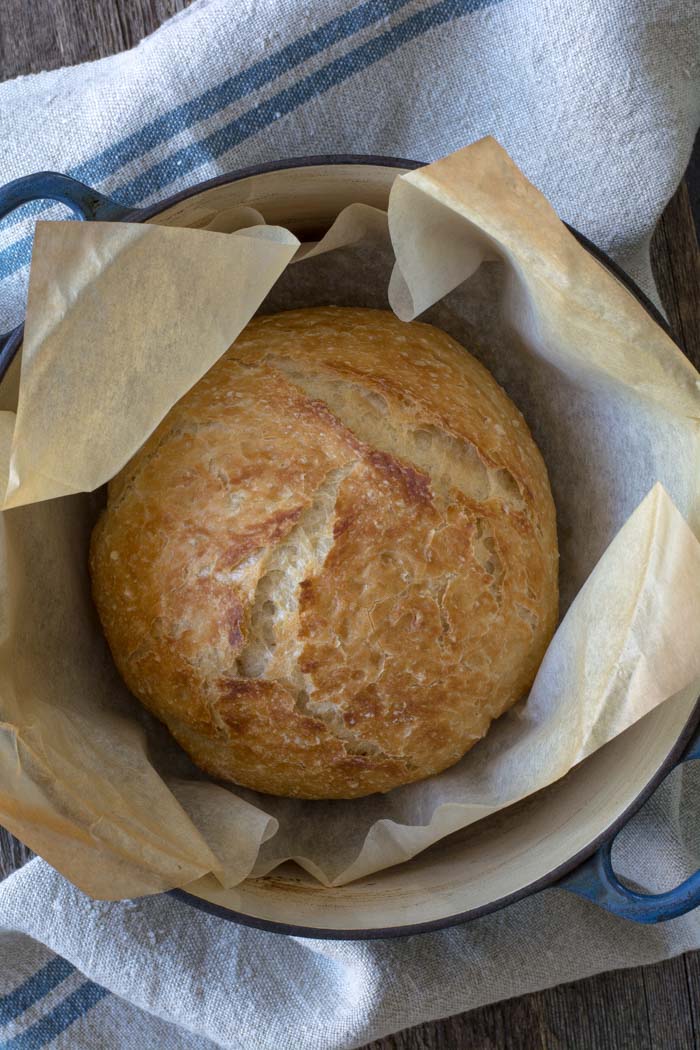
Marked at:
<point>234,88</point>
<point>103,165</point>
<point>259,117</point>
<point>36,987</point>
<point>286,101</point>
<point>63,1015</point>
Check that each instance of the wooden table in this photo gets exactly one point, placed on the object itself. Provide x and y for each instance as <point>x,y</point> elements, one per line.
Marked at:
<point>648,1008</point>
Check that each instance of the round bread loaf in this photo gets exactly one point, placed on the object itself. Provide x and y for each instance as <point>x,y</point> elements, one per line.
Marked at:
<point>335,560</point>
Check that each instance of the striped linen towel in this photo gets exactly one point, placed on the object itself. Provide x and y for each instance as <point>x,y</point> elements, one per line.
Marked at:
<point>598,103</point>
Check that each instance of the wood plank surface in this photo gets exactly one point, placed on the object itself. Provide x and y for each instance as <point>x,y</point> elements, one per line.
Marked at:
<point>648,1008</point>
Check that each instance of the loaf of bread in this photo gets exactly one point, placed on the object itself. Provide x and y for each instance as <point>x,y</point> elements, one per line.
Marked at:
<point>334,563</point>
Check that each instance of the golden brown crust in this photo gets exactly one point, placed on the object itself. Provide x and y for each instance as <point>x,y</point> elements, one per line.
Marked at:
<point>335,560</point>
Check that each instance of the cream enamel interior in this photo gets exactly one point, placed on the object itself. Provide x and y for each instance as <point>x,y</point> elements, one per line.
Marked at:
<point>487,862</point>
<point>506,853</point>
<point>513,849</point>
<point>503,854</point>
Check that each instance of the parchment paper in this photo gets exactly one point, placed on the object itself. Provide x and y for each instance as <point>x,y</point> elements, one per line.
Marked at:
<point>115,310</point>
<point>122,320</point>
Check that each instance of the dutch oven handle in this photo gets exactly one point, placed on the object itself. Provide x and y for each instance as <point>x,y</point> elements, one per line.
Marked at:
<point>596,881</point>
<point>84,202</point>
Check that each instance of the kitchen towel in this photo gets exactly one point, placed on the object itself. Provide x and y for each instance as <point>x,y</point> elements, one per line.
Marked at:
<point>156,974</point>
<point>598,103</point>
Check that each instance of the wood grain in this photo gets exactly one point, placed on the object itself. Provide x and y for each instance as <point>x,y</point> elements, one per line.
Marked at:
<point>45,34</point>
<point>675,261</point>
<point>648,1008</point>
<point>13,853</point>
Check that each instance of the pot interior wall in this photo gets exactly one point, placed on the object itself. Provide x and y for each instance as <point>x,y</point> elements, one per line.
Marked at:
<point>504,854</point>
<point>487,862</point>
<point>305,200</point>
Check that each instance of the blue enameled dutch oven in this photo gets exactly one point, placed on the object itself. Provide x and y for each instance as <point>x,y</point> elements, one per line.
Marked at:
<point>562,836</point>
